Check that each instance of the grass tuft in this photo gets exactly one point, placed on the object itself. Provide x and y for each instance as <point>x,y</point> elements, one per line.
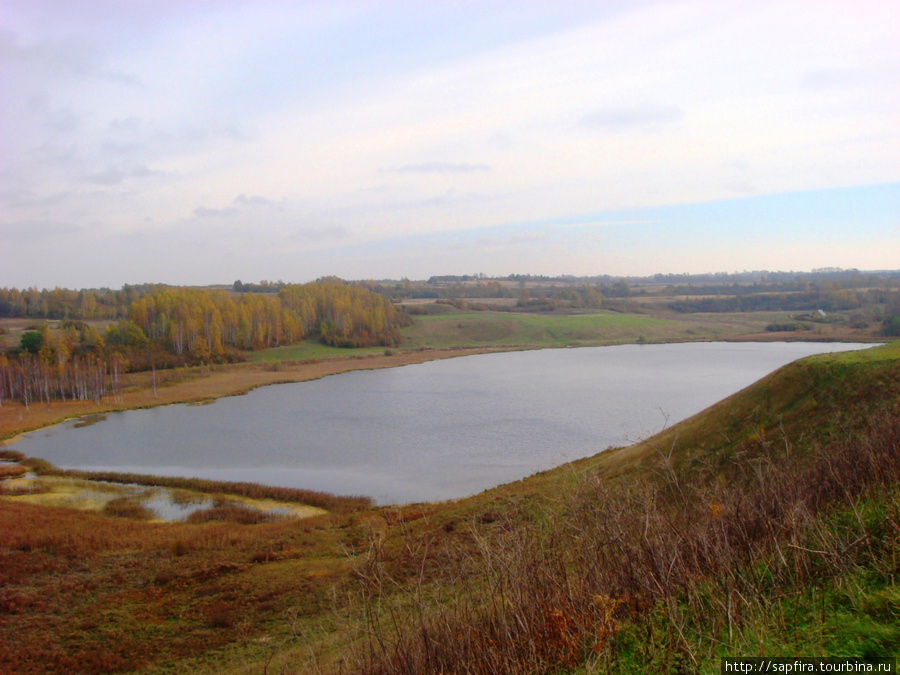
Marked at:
<point>126,507</point>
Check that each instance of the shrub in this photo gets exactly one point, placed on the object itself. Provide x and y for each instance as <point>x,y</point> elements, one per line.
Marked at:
<point>783,327</point>
<point>126,507</point>
<point>12,471</point>
<point>232,513</point>
<point>31,341</point>
<point>891,325</point>
<point>40,466</point>
<point>220,615</point>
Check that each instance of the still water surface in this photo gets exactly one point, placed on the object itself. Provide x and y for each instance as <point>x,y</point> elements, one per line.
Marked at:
<point>431,431</point>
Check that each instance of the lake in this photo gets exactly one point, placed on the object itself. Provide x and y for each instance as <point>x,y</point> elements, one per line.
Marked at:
<point>432,431</point>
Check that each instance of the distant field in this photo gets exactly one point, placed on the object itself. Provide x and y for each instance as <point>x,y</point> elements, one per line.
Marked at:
<point>309,349</point>
<point>550,330</point>
<point>537,331</point>
<point>11,329</point>
<point>504,329</point>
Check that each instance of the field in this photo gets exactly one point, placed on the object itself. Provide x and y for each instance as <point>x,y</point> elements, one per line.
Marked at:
<point>466,329</point>
<point>733,558</point>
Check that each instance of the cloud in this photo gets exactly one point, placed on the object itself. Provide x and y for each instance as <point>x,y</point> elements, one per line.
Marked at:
<point>238,205</point>
<point>824,78</point>
<point>16,198</point>
<point>254,200</point>
<point>116,175</point>
<point>440,167</point>
<point>58,58</point>
<point>320,233</point>
<point>35,230</point>
<point>61,120</point>
<point>513,241</point>
<point>204,212</point>
<point>645,116</point>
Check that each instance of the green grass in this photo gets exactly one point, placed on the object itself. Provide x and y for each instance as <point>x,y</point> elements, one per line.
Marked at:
<point>877,355</point>
<point>508,330</point>
<point>857,617</point>
<point>309,350</point>
<point>503,329</point>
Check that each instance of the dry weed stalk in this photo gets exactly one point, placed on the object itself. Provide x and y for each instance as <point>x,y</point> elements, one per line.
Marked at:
<point>555,592</point>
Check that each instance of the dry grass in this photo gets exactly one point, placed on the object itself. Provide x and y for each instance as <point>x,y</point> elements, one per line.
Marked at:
<point>690,565</point>
<point>12,471</point>
<point>125,507</point>
<point>86,593</point>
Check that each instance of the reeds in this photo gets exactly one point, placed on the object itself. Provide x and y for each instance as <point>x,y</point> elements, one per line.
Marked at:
<point>323,500</point>
<point>233,513</point>
<point>12,471</point>
<point>127,507</point>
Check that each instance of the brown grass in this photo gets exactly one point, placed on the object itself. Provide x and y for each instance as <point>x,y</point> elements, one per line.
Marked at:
<point>546,575</point>
<point>12,471</point>
<point>255,491</point>
<point>87,593</point>
<point>125,507</point>
<point>232,513</point>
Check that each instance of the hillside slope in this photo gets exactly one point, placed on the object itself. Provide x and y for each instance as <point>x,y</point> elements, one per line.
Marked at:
<point>767,524</point>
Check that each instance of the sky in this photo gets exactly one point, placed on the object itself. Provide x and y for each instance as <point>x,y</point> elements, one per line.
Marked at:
<point>198,142</point>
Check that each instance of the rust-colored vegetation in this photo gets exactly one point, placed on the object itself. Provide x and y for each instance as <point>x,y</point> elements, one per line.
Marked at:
<point>87,593</point>
<point>12,471</point>
<point>323,500</point>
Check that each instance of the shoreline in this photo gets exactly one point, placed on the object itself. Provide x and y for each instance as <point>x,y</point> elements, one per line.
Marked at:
<point>206,384</point>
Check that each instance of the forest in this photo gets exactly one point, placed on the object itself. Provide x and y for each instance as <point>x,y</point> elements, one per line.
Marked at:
<point>164,327</point>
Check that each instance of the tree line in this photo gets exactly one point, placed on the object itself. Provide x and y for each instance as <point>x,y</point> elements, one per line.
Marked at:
<point>166,327</point>
<point>811,298</point>
<point>63,303</point>
<point>205,323</point>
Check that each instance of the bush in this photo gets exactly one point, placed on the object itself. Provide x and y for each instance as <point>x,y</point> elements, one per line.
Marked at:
<point>40,466</point>
<point>891,325</point>
<point>783,327</point>
<point>12,471</point>
<point>31,341</point>
<point>124,507</point>
<point>232,513</point>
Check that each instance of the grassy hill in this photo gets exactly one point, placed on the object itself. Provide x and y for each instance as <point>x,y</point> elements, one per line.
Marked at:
<point>767,524</point>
